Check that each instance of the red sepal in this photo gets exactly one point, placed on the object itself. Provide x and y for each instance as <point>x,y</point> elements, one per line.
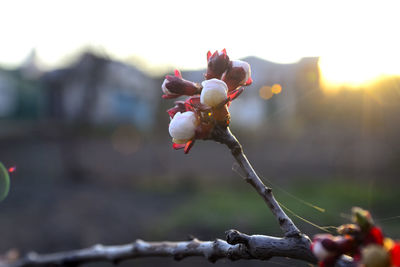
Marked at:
<point>395,255</point>
<point>249,81</point>
<point>180,106</point>
<point>188,146</point>
<point>235,93</point>
<point>178,74</point>
<point>178,146</point>
<point>374,236</point>
<point>194,100</point>
<point>169,96</point>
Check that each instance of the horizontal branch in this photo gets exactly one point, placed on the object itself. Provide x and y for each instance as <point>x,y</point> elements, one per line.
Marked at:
<point>238,246</point>
<point>211,250</point>
<point>265,247</point>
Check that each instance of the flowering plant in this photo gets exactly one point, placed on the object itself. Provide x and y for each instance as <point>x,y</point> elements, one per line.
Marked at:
<point>362,240</point>
<point>207,104</point>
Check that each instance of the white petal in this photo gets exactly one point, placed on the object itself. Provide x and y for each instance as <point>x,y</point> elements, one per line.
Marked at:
<point>214,92</point>
<point>182,126</point>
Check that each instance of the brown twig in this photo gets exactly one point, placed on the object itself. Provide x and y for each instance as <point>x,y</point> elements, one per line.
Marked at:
<point>211,250</point>
<point>238,246</point>
<point>223,135</point>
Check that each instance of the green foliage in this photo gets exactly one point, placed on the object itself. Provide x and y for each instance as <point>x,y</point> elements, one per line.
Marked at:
<point>220,207</point>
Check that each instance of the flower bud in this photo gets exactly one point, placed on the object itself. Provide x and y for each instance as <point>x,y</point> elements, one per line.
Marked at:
<point>214,92</point>
<point>175,86</point>
<point>238,74</point>
<point>374,235</point>
<point>362,218</point>
<point>320,252</point>
<point>182,127</point>
<point>348,229</point>
<point>217,64</point>
<point>375,256</point>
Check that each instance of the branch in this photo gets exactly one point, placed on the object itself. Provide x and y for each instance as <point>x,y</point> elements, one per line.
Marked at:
<point>211,250</point>
<point>238,246</point>
<point>265,247</point>
<point>223,135</point>
<point>293,245</point>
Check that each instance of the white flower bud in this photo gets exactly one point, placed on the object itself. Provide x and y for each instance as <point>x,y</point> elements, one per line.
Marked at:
<point>214,92</point>
<point>182,127</point>
<point>245,66</point>
<point>320,252</point>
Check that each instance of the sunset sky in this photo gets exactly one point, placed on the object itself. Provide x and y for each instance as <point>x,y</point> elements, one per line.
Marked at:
<point>357,40</point>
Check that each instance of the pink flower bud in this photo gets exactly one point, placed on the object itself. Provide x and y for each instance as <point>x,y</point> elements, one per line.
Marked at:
<point>320,252</point>
<point>175,86</point>
<point>238,74</point>
<point>327,248</point>
<point>217,64</point>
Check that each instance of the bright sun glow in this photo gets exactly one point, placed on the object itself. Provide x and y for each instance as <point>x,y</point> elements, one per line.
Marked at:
<point>355,72</point>
<point>358,41</point>
<point>362,46</point>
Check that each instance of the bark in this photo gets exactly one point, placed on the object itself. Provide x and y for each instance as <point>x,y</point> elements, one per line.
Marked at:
<point>238,246</point>
<point>211,250</point>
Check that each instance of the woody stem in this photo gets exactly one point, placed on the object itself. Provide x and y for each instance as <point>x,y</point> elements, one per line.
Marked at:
<point>223,135</point>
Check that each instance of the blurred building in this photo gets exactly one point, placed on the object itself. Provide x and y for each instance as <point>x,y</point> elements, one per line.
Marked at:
<point>98,90</point>
<point>8,96</point>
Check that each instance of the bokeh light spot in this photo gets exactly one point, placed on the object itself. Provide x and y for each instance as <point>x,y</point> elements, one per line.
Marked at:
<point>265,92</point>
<point>4,182</point>
<point>126,140</point>
<point>276,88</point>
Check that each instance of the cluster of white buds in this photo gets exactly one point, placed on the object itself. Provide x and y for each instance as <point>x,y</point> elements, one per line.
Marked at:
<point>207,104</point>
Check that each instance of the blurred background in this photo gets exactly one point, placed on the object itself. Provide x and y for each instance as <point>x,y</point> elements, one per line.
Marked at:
<point>82,119</point>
